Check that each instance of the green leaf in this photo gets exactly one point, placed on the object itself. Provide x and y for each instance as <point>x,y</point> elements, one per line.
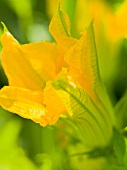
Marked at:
<point>116,152</point>
<point>120,112</point>
<point>89,121</point>
<point>119,146</point>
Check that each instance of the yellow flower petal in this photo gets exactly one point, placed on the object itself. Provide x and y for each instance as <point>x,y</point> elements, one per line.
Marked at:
<point>82,60</point>
<point>24,102</point>
<point>28,65</point>
<point>84,70</point>
<point>43,58</point>
<point>16,66</point>
<point>60,29</point>
<point>54,104</point>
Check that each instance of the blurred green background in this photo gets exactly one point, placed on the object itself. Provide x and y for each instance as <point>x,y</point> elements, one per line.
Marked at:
<point>25,145</point>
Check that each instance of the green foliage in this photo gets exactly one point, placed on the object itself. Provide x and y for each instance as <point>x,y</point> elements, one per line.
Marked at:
<point>11,153</point>
<point>116,152</point>
<point>120,112</point>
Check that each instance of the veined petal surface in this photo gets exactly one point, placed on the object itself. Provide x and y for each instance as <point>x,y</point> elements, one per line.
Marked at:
<point>24,102</point>
<point>83,113</point>
<point>83,65</point>
<point>82,59</point>
<point>84,71</point>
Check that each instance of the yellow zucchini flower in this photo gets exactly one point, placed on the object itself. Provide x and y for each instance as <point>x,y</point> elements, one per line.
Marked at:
<point>28,67</point>
<point>47,80</point>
